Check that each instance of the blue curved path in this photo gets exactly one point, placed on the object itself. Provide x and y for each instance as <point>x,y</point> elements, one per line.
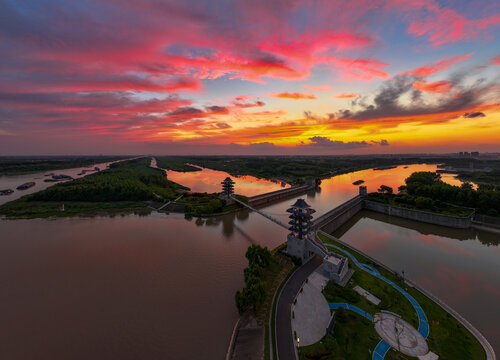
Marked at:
<point>380,350</point>
<point>423,324</point>
<point>350,307</point>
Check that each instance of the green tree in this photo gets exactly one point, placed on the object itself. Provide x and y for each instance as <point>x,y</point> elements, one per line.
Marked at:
<point>384,189</point>
<point>258,255</point>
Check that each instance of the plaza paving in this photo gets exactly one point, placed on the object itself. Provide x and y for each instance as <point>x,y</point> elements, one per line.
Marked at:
<point>311,312</point>
<point>400,335</point>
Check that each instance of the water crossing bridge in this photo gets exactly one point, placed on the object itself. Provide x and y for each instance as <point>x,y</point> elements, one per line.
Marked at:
<point>267,216</point>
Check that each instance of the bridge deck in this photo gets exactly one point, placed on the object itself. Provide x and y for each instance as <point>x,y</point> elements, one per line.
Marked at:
<point>261,213</point>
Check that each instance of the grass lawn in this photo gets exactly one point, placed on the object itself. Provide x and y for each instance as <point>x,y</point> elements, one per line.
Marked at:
<point>392,300</point>
<point>354,336</point>
<point>447,338</point>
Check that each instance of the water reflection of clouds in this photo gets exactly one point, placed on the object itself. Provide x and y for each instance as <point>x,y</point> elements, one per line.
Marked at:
<point>369,241</point>
<point>208,180</point>
<point>443,244</point>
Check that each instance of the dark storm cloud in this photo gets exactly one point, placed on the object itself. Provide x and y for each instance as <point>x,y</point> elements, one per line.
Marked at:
<point>473,114</point>
<point>321,141</point>
<point>381,142</point>
<point>387,101</point>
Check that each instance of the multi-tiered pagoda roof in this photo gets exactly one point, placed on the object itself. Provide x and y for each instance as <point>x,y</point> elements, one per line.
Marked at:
<point>228,186</point>
<point>300,218</point>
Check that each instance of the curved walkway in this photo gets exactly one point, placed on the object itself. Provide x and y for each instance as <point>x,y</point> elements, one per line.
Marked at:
<point>423,327</point>
<point>352,308</point>
<point>380,350</point>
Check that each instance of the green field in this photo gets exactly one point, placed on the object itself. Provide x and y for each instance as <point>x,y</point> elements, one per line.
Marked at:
<point>447,338</point>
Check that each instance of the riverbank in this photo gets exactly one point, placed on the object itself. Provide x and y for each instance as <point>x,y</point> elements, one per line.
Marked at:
<point>18,165</point>
<point>252,335</point>
<point>123,188</point>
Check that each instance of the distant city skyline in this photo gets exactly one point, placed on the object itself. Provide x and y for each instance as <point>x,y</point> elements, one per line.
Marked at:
<point>249,77</point>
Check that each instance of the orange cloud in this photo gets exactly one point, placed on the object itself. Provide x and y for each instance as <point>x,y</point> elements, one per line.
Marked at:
<point>433,87</point>
<point>346,96</point>
<point>294,96</point>
<point>436,67</point>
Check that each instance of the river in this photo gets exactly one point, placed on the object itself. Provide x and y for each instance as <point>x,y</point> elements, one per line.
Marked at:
<point>161,286</point>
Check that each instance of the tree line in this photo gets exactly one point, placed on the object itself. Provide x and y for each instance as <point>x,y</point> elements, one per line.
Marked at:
<point>254,292</point>
<point>426,190</point>
<point>130,180</point>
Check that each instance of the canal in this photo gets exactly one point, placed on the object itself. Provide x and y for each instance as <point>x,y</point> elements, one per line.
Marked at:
<point>161,286</point>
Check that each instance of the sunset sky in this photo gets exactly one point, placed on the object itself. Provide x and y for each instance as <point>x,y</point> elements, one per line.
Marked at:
<point>249,77</point>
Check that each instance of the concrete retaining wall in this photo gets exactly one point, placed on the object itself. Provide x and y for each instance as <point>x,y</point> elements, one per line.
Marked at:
<point>438,219</point>
<point>276,195</point>
<point>486,220</point>
<point>333,219</point>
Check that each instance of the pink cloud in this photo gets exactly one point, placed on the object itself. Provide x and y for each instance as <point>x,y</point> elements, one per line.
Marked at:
<point>433,87</point>
<point>360,69</point>
<point>433,68</point>
<point>496,60</point>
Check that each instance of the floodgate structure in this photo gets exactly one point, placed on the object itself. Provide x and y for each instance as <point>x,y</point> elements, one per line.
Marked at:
<point>303,313</point>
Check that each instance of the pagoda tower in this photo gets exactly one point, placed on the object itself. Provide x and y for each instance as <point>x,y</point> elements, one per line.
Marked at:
<point>300,228</point>
<point>227,190</point>
<point>300,218</point>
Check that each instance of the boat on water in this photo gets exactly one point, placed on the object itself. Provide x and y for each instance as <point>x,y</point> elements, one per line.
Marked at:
<point>97,169</point>
<point>6,192</point>
<point>26,185</point>
<point>385,167</point>
<point>58,178</point>
<point>62,177</point>
<point>358,182</point>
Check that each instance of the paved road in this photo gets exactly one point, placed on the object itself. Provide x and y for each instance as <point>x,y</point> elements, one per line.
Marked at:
<point>284,336</point>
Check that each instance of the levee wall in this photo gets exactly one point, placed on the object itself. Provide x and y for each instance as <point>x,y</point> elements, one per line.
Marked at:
<point>276,195</point>
<point>486,220</point>
<point>438,219</point>
<point>333,219</point>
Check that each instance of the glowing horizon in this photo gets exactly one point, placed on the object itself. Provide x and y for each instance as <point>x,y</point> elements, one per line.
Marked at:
<point>259,77</point>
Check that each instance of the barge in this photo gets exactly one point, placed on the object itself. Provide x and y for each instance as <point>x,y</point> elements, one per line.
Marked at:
<point>26,185</point>
<point>6,192</point>
<point>358,182</point>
